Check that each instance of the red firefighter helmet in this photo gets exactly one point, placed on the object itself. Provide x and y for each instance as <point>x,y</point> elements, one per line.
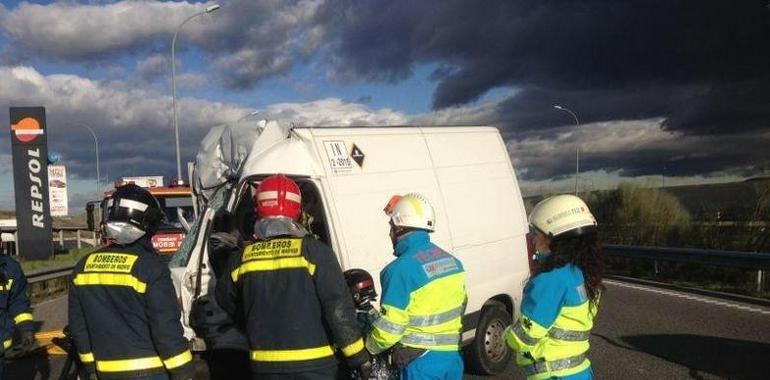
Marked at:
<point>278,195</point>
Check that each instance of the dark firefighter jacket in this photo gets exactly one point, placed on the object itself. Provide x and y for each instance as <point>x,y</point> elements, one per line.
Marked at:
<point>124,314</point>
<point>14,304</point>
<point>292,296</point>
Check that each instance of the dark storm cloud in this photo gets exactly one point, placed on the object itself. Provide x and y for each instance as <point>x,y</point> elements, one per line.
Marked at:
<point>700,64</point>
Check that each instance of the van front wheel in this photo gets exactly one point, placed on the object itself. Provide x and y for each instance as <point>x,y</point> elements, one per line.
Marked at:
<point>488,354</point>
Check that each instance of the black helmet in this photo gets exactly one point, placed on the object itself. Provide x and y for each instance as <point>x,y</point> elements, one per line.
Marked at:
<point>361,286</point>
<point>133,206</point>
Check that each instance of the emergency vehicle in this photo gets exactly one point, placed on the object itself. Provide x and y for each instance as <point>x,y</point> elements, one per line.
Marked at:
<point>175,201</point>
<point>347,175</point>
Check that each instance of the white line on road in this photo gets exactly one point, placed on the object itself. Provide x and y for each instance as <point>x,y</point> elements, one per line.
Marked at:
<point>690,297</point>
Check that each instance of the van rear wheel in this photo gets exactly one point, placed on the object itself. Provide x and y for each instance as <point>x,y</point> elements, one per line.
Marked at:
<point>488,354</point>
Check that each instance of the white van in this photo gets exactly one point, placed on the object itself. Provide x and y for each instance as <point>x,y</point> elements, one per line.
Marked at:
<point>346,175</point>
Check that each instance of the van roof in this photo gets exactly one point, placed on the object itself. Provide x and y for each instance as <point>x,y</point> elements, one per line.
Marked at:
<point>269,154</point>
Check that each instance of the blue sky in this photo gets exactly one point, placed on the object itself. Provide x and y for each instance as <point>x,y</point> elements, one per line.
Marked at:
<point>692,101</point>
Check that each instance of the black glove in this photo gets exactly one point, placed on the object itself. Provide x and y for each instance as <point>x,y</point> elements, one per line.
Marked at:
<point>364,371</point>
<point>25,345</point>
<point>27,340</point>
<point>224,240</point>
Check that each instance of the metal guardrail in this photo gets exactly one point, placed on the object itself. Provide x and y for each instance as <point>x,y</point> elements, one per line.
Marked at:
<point>48,274</point>
<point>758,261</point>
<point>733,259</point>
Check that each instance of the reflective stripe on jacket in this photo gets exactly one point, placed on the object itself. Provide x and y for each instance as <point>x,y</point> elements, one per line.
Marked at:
<point>292,296</point>
<point>551,335</point>
<point>124,314</point>
<point>423,298</point>
<point>15,311</point>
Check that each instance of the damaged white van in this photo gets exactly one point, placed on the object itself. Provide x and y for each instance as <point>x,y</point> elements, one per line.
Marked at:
<point>346,175</point>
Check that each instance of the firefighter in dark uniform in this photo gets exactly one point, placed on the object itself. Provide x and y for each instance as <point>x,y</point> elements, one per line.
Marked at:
<point>123,311</point>
<point>15,312</point>
<point>289,290</point>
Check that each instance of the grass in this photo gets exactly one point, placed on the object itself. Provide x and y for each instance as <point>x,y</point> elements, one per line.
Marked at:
<point>57,261</point>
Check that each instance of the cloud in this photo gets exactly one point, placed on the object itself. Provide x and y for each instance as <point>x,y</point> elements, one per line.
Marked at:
<point>153,66</point>
<point>334,112</point>
<point>76,32</point>
<point>246,40</point>
<point>133,123</point>
<point>5,163</point>
<point>700,65</point>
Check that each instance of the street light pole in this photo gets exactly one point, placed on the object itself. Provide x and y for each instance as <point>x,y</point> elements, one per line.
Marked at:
<point>577,146</point>
<point>96,145</point>
<point>209,9</point>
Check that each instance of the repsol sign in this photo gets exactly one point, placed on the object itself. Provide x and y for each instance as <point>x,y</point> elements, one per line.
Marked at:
<point>30,178</point>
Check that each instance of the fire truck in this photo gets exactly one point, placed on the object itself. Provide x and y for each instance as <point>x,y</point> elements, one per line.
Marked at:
<point>175,201</point>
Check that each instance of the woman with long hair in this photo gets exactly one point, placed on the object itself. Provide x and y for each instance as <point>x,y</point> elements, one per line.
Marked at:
<point>561,299</point>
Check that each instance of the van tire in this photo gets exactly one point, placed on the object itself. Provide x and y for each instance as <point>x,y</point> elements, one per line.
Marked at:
<point>488,354</point>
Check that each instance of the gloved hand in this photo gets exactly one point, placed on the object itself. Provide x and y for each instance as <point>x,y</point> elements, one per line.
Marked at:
<point>25,345</point>
<point>224,239</point>
<point>365,370</point>
<point>27,341</point>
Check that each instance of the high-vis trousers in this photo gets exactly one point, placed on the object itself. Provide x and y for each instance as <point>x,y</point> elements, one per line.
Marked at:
<point>435,365</point>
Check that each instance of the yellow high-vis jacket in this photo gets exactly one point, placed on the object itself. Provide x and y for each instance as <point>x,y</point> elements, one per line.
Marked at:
<point>423,298</point>
<point>551,335</point>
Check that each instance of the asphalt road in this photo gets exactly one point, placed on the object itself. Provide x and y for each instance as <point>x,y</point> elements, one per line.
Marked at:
<point>641,332</point>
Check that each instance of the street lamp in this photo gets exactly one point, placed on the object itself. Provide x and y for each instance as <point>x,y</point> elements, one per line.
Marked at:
<point>209,9</point>
<point>96,144</point>
<point>577,146</point>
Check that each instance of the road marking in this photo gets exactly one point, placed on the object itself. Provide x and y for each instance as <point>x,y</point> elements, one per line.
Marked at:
<point>691,297</point>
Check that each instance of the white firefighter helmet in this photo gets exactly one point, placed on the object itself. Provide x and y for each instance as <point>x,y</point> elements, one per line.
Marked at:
<point>562,215</point>
<point>411,210</point>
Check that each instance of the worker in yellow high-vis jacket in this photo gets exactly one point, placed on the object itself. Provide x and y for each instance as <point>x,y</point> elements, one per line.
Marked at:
<point>560,301</point>
<point>423,297</point>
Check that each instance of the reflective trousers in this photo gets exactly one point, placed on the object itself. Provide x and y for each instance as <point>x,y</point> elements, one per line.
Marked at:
<point>435,365</point>
<point>587,374</point>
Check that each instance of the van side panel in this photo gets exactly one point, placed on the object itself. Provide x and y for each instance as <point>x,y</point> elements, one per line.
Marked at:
<point>484,210</point>
<point>396,161</point>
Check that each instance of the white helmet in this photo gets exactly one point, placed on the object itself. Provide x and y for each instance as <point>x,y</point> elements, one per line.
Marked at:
<point>411,210</point>
<point>562,214</point>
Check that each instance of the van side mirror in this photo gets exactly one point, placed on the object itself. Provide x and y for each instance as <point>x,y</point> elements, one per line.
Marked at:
<point>90,216</point>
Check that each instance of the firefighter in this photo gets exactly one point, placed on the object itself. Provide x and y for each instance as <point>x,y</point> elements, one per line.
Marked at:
<point>15,312</point>
<point>423,297</point>
<point>289,290</point>
<point>123,311</point>
<point>560,301</point>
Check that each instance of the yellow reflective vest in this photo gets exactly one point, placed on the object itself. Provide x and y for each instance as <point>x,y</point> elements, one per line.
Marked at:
<point>551,335</point>
<point>423,298</point>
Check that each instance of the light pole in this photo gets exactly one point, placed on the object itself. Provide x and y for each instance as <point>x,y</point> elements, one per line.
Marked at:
<point>577,146</point>
<point>209,9</point>
<point>96,145</point>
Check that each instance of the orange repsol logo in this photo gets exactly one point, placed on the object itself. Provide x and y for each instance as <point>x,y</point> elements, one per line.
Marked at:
<point>27,129</point>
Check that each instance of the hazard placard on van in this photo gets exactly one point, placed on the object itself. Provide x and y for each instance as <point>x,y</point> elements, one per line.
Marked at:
<point>337,154</point>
